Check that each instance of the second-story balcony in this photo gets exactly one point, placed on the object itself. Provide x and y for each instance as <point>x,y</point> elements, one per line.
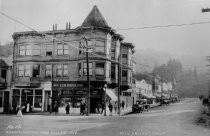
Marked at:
<point>27,81</point>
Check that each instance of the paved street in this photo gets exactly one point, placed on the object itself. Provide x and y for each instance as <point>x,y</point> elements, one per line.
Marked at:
<point>175,120</point>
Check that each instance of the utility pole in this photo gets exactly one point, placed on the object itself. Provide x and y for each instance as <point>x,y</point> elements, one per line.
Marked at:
<point>88,78</point>
<point>119,82</point>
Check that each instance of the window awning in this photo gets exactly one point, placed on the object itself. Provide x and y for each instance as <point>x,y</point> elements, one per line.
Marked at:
<point>111,94</point>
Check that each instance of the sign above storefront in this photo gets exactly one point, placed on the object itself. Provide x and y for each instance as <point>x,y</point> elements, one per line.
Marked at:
<point>66,84</point>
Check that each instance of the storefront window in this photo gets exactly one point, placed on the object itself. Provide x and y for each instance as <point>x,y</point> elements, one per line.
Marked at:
<point>38,99</point>
<point>27,97</point>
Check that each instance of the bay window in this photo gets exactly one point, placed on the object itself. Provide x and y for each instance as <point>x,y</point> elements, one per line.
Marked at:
<point>85,68</point>
<point>100,69</point>
<point>48,70</point>
<point>100,46</point>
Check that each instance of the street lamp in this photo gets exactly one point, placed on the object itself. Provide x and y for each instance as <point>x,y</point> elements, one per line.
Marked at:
<point>105,86</point>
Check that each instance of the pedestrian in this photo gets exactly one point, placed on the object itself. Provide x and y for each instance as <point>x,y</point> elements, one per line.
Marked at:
<point>123,105</point>
<point>115,107</point>
<point>56,107</point>
<point>81,104</point>
<point>103,108</point>
<point>98,107</point>
<point>110,108</point>
<point>67,108</point>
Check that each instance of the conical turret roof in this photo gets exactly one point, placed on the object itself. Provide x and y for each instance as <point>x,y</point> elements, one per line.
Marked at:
<point>95,18</point>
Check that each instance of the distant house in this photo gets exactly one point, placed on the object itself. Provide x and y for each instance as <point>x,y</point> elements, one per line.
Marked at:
<point>5,82</point>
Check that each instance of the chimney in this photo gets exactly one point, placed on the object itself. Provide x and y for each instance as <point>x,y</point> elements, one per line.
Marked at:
<point>69,25</point>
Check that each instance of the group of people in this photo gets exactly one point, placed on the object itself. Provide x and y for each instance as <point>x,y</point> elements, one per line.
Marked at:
<point>83,107</point>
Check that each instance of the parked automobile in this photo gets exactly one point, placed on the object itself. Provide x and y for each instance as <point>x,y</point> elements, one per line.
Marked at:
<point>137,108</point>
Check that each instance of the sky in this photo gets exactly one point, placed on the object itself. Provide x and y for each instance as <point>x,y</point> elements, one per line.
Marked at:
<point>119,14</point>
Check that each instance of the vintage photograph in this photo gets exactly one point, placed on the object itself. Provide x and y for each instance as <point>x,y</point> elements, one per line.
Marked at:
<point>104,67</point>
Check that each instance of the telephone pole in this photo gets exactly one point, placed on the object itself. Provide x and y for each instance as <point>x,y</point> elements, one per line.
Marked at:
<point>88,78</point>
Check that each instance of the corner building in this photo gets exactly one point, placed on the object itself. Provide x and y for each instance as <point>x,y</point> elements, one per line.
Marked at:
<point>50,69</point>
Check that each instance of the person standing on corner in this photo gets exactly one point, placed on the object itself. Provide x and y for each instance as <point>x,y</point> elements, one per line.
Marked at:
<point>123,105</point>
<point>110,108</point>
<point>56,107</point>
<point>67,108</point>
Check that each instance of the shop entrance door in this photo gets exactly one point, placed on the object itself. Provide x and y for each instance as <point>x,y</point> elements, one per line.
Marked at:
<point>94,104</point>
<point>47,101</point>
<point>6,101</point>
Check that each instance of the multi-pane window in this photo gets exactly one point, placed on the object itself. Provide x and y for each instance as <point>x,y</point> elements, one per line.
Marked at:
<point>36,70</point>
<point>90,69</point>
<point>124,75</point>
<point>100,69</point>
<point>24,70</point>
<point>113,53</point>
<point>62,70</point>
<point>125,58</point>
<point>62,49</point>
<point>37,49</point>
<point>22,50</point>
<point>80,69</point>
<point>100,46</point>
<point>65,70</point>
<point>27,70</point>
<point>21,70</point>
<point>49,50</point>
<point>48,70</point>
<point>25,50</point>
<point>59,70</point>
<point>113,71</point>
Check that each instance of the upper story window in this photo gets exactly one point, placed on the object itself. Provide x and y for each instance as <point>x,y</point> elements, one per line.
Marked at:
<point>85,68</point>
<point>48,71</point>
<point>113,71</point>
<point>37,49</point>
<point>100,46</point>
<point>125,58</point>
<point>24,70</point>
<point>62,70</point>
<point>100,69</point>
<point>124,75</point>
<point>36,70</point>
<point>112,53</point>
<point>49,50</point>
<point>25,50</point>
<point>62,49</point>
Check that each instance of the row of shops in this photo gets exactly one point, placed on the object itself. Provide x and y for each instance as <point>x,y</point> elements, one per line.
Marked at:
<point>42,99</point>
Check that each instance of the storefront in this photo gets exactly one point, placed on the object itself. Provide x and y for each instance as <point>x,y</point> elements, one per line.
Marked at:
<point>31,96</point>
<point>73,92</point>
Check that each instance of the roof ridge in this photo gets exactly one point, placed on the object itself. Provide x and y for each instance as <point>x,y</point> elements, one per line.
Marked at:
<point>95,18</point>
